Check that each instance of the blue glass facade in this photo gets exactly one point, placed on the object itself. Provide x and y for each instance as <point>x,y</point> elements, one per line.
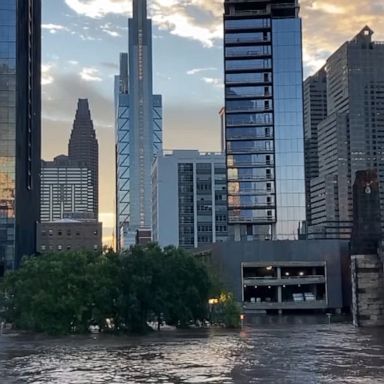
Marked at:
<point>289,132</point>
<point>7,131</point>
<point>19,129</point>
<point>264,124</point>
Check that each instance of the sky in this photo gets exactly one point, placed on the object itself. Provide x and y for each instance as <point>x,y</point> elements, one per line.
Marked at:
<point>82,40</point>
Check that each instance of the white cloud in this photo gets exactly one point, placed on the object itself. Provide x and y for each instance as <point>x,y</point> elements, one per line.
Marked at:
<point>73,62</point>
<point>333,9</point>
<point>53,28</point>
<point>107,28</point>
<point>99,8</point>
<point>90,74</point>
<point>216,82</point>
<point>194,71</point>
<point>193,19</point>
<point>46,75</point>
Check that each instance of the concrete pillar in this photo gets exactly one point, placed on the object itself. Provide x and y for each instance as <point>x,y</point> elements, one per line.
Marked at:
<point>279,294</point>
<point>367,290</point>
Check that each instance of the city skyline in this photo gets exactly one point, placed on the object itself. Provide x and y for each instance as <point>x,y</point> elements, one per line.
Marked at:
<point>197,65</point>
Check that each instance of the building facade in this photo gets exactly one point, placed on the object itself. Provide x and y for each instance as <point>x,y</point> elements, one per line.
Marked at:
<point>278,276</point>
<point>264,119</point>
<point>138,115</point>
<point>84,148</point>
<point>189,204</point>
<point>315,111</point>
<point>67,189</point>
<point>350,138</point>
<point>69,235</point>
<point>20,131</point>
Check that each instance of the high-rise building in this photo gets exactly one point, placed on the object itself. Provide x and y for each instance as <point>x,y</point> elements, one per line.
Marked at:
<point>138,130</point>
<point>84,148</point>
<point>315,111</point>
<point>66,189</point>
<point>350,138</point>
<point>189,204</point>
<point>264,119</point>
<point>20,106</point>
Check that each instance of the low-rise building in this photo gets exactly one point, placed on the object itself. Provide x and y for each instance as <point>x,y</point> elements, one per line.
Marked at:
<point>69,235</point>
<point>276,276</point>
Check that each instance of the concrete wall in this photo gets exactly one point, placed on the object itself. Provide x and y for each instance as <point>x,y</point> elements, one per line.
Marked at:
<point>229,256</point>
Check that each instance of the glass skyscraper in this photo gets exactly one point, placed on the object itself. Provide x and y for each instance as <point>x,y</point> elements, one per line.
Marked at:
<point>138,130</point>
<point>264,119</point>
<point>20,104</point>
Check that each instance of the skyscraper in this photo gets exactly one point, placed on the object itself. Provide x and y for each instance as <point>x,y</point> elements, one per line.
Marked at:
<point>350,138</point>
<point>20,105</point>
<point>138,130</point>
<point>264,119</point>
<point>84,148</point>
<point>315,110</point>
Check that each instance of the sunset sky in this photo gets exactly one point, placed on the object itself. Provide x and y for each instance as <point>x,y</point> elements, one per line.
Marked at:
<point>82,40</point>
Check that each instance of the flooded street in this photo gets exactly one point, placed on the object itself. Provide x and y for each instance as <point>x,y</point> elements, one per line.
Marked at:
<point>273,351</point>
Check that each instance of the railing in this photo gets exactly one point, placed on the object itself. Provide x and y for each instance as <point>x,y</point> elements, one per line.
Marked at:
<point>296,280</point>
<point>246,40</point>
<point>316,304</point>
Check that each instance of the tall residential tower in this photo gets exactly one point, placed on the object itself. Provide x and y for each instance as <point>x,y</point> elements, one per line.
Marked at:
<point>264,119</point>
<point>20,105</point>
<point>138,130</point>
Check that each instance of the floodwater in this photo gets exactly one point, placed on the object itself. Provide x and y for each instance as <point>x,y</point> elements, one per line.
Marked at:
<point>275,350</point>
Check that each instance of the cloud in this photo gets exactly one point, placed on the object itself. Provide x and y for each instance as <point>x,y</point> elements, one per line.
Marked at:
<point>217,82</point>
<point>328,24</point>
<point>194,71</point>
<point>99,8</point>
<point>193,19</point>
<point>53,28</point>
<point>90,74</point>
<point>46,74</point>
<point>107,28</point>
<point>330,8</point>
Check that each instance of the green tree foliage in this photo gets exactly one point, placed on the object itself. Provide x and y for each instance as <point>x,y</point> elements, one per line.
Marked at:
<point>65,292</point>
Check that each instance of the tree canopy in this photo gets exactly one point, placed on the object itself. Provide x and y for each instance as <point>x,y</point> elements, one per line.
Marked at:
<point>65,292</point>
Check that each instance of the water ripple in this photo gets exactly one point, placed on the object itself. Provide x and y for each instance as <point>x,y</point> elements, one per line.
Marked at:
<point>270,353</point>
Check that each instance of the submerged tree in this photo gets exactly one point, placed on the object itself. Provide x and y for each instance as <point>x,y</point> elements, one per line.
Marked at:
<point>67,291</point>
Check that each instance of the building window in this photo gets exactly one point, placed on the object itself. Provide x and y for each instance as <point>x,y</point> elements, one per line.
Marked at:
<point>69,232</point>
<point>95,233</point>
<point>50,232</point>
<point>68,247</point>
<point>59,233</point>
<point>59,247</point>
<point>95,247</point>
<point>43,247</point>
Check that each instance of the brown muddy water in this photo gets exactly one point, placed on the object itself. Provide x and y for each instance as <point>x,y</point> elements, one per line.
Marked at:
<point>283,350</point>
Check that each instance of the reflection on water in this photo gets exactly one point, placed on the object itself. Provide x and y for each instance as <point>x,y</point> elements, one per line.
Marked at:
<point>271,351</point>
